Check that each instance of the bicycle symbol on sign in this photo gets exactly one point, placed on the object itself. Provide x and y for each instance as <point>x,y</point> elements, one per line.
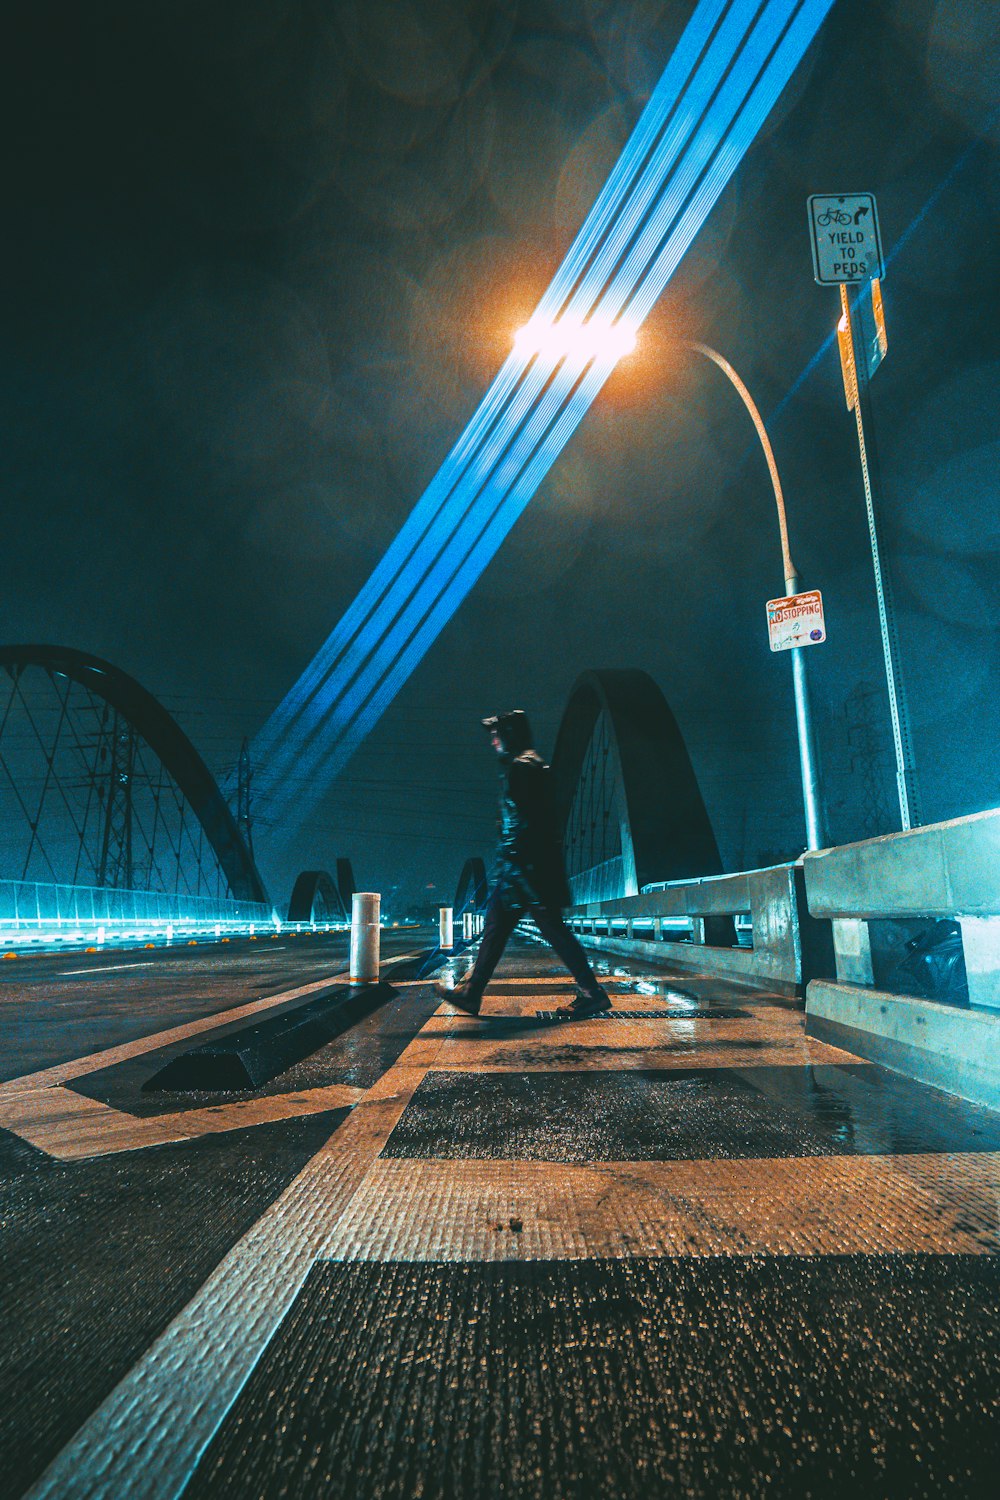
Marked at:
<point>839,216</point>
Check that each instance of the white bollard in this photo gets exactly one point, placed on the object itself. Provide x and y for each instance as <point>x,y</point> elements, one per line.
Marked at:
<point>365,935</point>
<point>446,935</point>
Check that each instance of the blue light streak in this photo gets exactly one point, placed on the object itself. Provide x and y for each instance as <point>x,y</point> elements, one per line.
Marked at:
<point>672,154</point>
<point>339,752</point>
<point>746,126</point>
<point>383,652</point>
<point>393,568</point>
<point>655,202</point>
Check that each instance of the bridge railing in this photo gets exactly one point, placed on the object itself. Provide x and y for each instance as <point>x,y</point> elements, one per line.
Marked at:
<point>36,913</point>
<point>915,918</point>
<point>751,928</point>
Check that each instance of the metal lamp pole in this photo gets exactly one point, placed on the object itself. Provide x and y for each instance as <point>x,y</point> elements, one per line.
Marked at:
<point>808,758</point>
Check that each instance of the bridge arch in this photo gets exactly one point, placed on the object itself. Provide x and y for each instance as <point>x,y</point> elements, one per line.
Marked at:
<point>471,891</point>
<point>314,888</point>
<point>629,807</point>
<point>345,884</point>
<point>147,717</point>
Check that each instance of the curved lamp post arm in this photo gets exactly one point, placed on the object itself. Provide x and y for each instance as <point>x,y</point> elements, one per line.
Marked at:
<point>808,758</point>
<point>791,573</point>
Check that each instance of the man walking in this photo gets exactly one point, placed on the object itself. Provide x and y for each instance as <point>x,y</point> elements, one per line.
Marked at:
<point>531,877</point>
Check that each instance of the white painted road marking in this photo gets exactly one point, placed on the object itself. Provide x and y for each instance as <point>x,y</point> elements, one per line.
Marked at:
<point>73,1127</point>
<point>107,968</point>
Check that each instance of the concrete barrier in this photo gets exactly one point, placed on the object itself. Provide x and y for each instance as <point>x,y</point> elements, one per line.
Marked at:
<point>691,925</point>
<point>876,893</point>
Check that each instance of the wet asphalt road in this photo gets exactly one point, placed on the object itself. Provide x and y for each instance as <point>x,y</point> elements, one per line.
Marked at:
<point>682,1250</point>
<point>56,1006</point>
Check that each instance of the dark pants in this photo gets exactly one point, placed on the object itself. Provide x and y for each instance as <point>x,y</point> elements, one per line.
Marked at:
<point>500,923</point>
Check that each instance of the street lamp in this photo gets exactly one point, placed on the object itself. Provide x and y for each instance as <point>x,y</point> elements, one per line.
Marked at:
<point>593,339</point>
<point>568,337</point>
<point>808,758</point>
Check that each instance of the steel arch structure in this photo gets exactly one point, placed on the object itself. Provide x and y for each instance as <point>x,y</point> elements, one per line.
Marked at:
<point>145,717</point>
<point>471,891</point>
<point>345,884</point>
<point>629,806</point>
<point>312,887</point>
<point>334,894</point>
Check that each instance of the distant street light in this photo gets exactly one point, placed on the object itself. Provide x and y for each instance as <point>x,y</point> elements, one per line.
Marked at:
<point>594,339</point>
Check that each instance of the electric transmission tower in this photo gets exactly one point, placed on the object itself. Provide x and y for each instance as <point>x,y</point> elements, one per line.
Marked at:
<point>245,777</point>
<point>115,868</point>
<point>862,709</point>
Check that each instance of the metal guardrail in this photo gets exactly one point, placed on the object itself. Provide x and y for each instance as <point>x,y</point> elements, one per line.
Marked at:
<point>945,870</point>
<point>704,925</point>
<point>35,913</point>
<point>881,898</point>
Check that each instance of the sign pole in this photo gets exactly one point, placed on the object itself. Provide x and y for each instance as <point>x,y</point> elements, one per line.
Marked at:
<point>856,373</point>
<point>789,620</point>
<point>808,756</point>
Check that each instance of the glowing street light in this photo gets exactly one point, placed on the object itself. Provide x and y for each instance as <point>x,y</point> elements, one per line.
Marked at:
<point>578,339</point>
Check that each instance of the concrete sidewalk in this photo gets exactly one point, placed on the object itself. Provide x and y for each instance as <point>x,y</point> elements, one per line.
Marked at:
<point>684,1250</point>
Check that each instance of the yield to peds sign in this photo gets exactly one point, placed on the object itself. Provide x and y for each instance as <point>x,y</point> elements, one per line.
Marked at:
<point>796,620</point>
<point>846,244</point>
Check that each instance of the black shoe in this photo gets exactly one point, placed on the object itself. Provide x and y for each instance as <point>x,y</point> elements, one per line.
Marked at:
<point>587,1003</point>
<point>459,997</point>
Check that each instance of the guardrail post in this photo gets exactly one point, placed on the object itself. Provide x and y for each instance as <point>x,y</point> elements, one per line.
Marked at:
<point>365,935</point>
<point>852,950</point>
<point>981,945</point>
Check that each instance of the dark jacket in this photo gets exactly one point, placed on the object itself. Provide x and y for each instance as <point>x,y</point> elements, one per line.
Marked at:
<point>530,859</point>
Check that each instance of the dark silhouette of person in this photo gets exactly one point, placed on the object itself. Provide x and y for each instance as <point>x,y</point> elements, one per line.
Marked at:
<point>531,876</point>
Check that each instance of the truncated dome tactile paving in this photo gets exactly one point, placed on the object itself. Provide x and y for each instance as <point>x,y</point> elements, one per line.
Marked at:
<point>685,1114</point>
<point>713,1377</point>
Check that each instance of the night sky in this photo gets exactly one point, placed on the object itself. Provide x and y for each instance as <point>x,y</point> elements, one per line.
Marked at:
<point>262,258</point>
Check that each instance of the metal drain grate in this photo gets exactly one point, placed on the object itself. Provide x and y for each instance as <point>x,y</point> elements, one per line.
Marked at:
<point>699,1013</point>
